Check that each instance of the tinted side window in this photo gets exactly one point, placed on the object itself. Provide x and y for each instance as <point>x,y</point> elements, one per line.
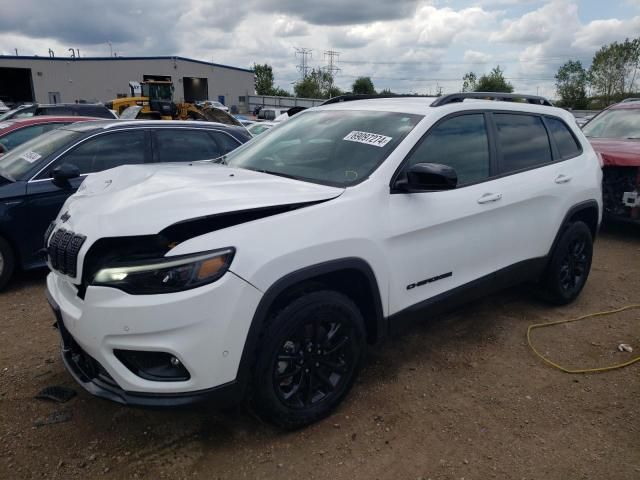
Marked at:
<point>184,145</point>
<point>97,111</point>
<point>55,111</point>
<point>565,141</point>
<point>18,137</point>
<point>225,141</point>
<point>107,151</point>
<point>523,141</point>
<point>459,142</point>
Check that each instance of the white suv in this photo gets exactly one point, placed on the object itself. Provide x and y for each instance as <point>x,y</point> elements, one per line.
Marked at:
<point>266,273</point>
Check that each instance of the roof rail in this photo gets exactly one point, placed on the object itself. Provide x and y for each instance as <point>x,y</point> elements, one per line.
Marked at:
<point>365,96</point>
<point>632,99</point>
<point>497,96</point>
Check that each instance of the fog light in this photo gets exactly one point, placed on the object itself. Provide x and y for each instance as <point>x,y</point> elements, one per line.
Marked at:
<point>155,366</point>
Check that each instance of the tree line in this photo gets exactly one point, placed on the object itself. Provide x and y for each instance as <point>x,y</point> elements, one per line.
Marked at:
<point>611,77</point>
<point>318,83</point>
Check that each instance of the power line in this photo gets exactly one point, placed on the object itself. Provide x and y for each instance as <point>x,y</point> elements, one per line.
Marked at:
<point>331,68</point>
<point>331,56</point>
<point>303,66</point>
<point>543,60</point>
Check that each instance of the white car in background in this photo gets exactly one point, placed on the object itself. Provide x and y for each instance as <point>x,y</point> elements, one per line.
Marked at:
<point>212,104</point>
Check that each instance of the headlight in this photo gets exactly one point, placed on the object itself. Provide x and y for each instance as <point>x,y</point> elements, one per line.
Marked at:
<point>166,275</point>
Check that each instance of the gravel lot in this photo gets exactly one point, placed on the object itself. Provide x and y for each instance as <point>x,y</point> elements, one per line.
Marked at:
<point>460,396</point>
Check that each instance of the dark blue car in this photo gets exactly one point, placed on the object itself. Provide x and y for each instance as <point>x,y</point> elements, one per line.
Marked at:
<point>37,177</point>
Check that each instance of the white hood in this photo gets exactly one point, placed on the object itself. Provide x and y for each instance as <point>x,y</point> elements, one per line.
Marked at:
<point>144,199</point>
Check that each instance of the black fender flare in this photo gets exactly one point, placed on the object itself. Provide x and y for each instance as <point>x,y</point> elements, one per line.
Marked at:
<point>261,313</point>
<point>578,207</point>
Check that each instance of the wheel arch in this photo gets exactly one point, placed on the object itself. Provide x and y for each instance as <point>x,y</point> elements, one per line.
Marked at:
<point>352,276</point>
<point>587,212</point>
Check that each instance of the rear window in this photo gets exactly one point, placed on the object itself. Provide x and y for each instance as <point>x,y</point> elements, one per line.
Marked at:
<point>16,164</point>
<point>523,142</point>
<point>567,144</point>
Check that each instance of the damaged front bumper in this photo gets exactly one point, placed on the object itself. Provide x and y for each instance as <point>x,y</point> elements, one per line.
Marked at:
<point>621,193</point>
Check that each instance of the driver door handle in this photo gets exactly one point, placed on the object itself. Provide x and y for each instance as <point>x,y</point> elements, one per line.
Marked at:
<point>562,179</point>
<point>489,197</point>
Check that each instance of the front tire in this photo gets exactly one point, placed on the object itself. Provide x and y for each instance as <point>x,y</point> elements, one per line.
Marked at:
<point>570,264</point>
<point>7,263</point>
<point>311,353</point>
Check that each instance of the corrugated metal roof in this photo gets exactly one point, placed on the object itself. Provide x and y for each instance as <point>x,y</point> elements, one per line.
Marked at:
<point>117,59</point>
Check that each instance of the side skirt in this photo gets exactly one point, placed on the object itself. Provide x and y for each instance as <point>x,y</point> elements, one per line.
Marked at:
<point>528,270</point>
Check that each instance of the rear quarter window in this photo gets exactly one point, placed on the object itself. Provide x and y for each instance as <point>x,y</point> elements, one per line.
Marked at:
<point>565,141</point>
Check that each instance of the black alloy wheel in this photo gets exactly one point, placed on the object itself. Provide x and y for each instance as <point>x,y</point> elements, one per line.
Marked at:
<point>569,266</point>
<point>309,358</point>
<point>314,361</point>
<point>574,266</point>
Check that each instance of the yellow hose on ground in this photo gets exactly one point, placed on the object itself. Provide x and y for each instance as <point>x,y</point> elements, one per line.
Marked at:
<point>581,370</point>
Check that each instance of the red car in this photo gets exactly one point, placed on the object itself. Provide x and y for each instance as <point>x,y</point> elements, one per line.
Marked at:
<point>615,136</point>
<point>16,132</point>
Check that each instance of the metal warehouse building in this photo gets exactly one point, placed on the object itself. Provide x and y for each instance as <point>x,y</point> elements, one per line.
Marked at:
<point>100,79</point>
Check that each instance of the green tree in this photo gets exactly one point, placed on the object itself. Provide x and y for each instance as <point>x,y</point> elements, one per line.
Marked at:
<point>363,85</point>
<point>469,82</point>
<point>280,92</point>
<point>614,69</point>
<point>494,82</point>
<point>386,91</point>
<point>263,79</point>
<point>571,85</point>
<point>317,84</point>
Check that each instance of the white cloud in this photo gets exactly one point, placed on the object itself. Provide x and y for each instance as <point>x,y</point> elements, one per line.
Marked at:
<point>599,32</point>
<point>473,56</point>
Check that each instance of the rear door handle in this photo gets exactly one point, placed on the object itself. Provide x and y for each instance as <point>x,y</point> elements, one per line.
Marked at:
<point>562,179</point>
<point>490,197</point>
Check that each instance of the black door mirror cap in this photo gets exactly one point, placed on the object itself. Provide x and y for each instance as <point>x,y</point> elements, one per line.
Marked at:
<point>63,173</point>
<point>428,177</point>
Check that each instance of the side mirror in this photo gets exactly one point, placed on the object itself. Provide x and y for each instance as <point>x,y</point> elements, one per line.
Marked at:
<point>3,149</point>
<point>63,173</point>
<point>428,177</point>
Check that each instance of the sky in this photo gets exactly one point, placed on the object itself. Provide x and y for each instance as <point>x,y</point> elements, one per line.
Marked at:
<point>409,46</point>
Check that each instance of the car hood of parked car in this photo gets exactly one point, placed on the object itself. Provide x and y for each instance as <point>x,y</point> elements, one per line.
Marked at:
<point>617,152</point>
<point>145,199</point>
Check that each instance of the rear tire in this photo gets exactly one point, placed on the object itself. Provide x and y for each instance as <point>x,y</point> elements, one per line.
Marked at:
<point>311,353</point>
<point>7,263</point>
<point>569,266</point>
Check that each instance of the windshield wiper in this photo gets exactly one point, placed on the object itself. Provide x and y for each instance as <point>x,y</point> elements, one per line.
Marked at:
<point>271,172</point>
<point>222,160</point>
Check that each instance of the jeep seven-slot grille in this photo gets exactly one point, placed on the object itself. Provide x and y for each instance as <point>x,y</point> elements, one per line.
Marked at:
<point>63,251</point>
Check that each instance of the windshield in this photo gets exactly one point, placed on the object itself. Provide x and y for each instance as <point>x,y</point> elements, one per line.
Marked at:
<point>19,161</point>
<point>622,123</point>
<point>157,91</point>
<point>333,147</point>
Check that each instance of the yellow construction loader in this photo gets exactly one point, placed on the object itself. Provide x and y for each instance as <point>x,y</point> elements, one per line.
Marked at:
<point>153,100</point>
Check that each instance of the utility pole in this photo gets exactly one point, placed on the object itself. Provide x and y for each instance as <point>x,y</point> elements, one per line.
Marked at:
<point>303,66</point>
<point>110,48</point>
<point>332,69</point>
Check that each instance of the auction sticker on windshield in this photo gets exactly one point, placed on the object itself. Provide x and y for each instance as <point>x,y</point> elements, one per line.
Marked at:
<point>368,138</point>
<point>30,156</point>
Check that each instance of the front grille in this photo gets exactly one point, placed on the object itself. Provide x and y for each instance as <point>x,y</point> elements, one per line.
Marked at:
<point>63,250</point>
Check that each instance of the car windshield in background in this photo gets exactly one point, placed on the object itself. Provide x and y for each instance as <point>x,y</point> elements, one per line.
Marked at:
<point>18,162</point>
<point>622,123</point>
<point>333,147</point>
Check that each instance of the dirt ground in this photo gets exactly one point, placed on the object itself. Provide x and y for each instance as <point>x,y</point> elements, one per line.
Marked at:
<point>460,396</point>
